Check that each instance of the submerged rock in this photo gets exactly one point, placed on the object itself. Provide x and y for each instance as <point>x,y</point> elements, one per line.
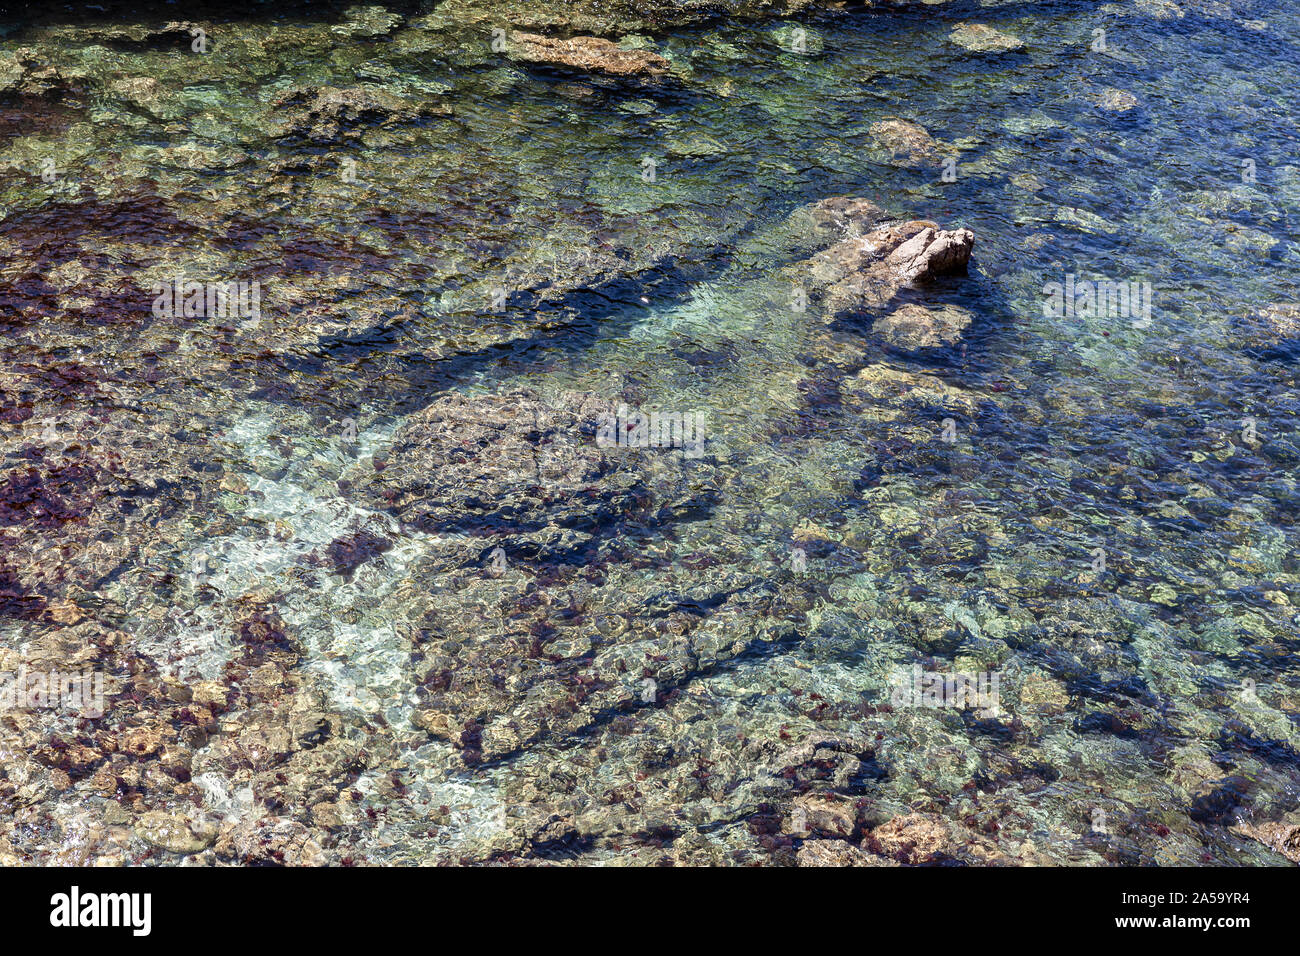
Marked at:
<point>836,853</point>
<point>891,389</point>
<point>588,55</point>
<point>816,225</point>
<point>1115,101</point>
<point>147,94</point>
<point>1028,182</point>
<point>176,34</point>
<point>612,16</point>
<point>175,833</point>
<point>1276,325</point>
<point>909,143</point>
<point>326,113</point>
<point>833,217</point>
<point>547,521</point>
<point>914,328</point>
<point>1215,9</point>
<point>367,21</point>
<point>1282,319</point>
<point>512,465</point>
<point>1160,9</point>
<point>982,38</point>
<point>930,838</point>
<point>824,816</point>
<point>24,73</point>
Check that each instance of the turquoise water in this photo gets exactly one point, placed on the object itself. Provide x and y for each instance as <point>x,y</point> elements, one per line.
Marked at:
<point>1148,703</point>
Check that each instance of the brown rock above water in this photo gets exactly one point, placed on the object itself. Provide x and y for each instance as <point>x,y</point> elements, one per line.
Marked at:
<point>866,271</point>
<point>1283,838</point>
<point>932,252</point>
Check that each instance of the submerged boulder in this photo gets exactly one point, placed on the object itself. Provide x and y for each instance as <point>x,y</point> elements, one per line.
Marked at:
<point>513,464</point>
<point>1160,9</point>
<point>325,113</point>
<point>917,838</point>
<point>908,143</point>
<point>540,608</point>
<point>24,73</point>
<point>914,328</point>
<point>837,215</point>
<point>837,853</point>
<point>982,38</point>
<point>367,22</point>
<point>1114,100</point>
<point>587,54</point>
<point>1280,322</point>
<point>815,226</point>
<point>173,35</point>
<point>888,392</point>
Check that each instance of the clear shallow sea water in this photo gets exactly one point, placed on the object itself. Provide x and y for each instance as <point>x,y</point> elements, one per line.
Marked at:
<point>1159,692</point>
